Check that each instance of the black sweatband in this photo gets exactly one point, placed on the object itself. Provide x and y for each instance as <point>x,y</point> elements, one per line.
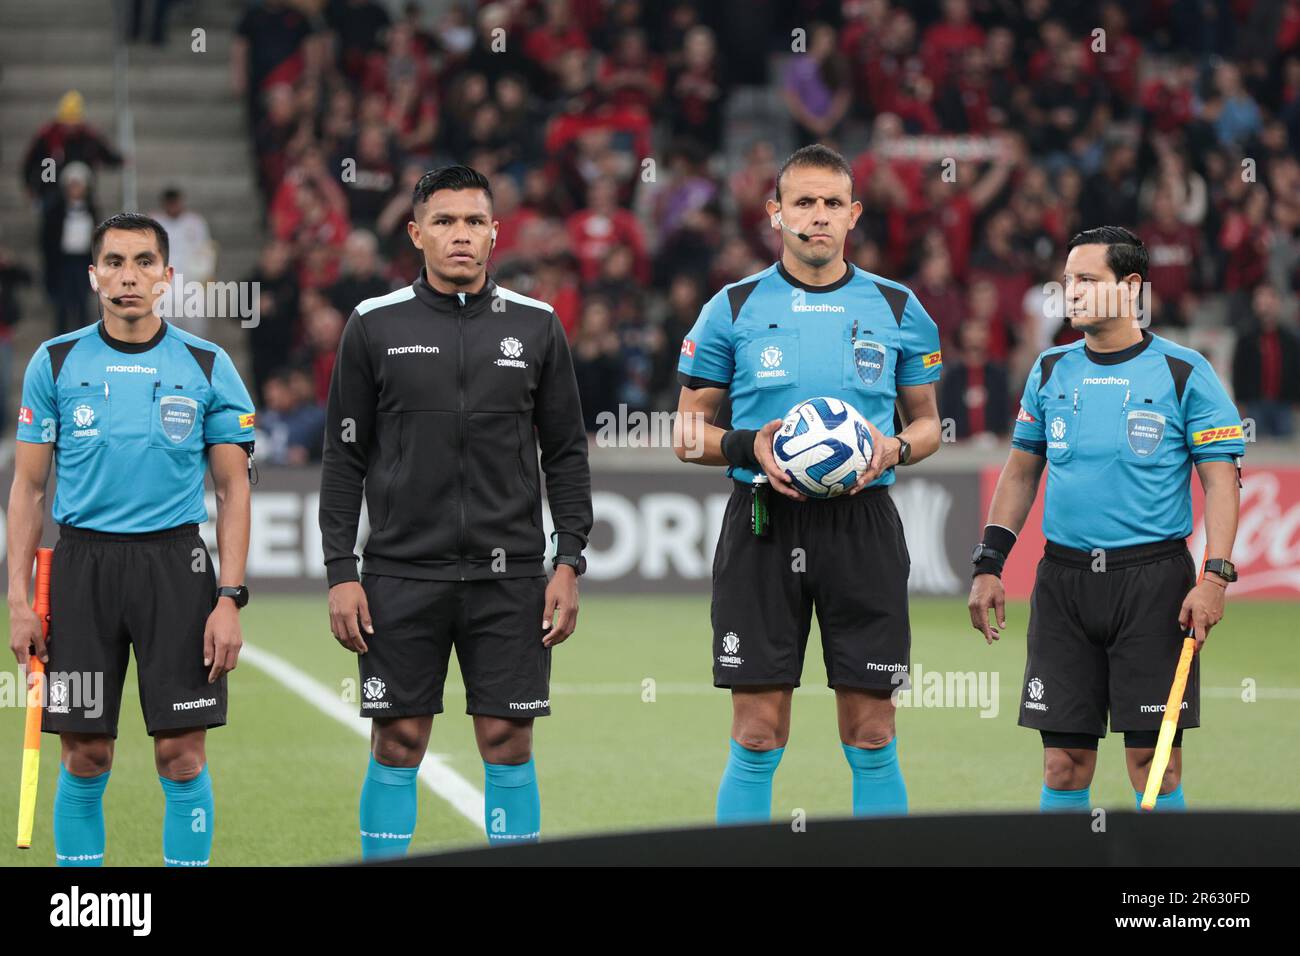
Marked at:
<point>996,538</point>
<point>738,448</point>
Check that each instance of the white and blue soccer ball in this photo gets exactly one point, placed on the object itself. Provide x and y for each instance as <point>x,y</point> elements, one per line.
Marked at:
<point>823,446</point>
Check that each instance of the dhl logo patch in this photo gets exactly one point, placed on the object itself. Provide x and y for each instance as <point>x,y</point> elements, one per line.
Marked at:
<point>931,360</point>
<point>1207,435</point>
<point>246,421</point>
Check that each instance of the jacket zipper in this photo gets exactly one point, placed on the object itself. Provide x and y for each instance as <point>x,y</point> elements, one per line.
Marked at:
<point>460,384</point>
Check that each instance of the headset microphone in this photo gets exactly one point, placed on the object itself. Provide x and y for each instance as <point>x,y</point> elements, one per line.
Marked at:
<point>798,235</point>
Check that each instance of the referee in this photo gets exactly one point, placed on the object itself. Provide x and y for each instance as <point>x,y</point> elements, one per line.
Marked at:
<point>442,392</point>
<point>809,325</point>
<point>1121,417</point>
<point>132,411</point>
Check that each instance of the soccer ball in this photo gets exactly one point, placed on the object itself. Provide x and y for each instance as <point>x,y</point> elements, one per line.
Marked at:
<point>823,446</point>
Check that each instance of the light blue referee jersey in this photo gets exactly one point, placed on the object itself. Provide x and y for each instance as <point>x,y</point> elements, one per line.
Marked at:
<point>773,342</point>
<point>131,424</point>
<point>1120,431</point>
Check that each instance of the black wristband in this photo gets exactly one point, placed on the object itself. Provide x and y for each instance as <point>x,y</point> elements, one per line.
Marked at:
<point>998,540</point>
<point>738,448</point>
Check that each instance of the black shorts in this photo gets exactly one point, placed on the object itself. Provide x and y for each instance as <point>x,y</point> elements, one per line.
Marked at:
<point>495,626</point>
<point>110,593</point>
<point>844,556</point>
<point>1108,640</point>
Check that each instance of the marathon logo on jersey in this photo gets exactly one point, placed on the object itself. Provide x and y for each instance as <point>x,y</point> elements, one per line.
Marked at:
<point>869,357</point>
<point>1024,416</point>
<point>1207,435</point>
<point>177,414</point>
<point>931,360</point>
<point>688,348</point>
<point>1145,429</point>
<point>135,369</point>
<point>24,416</point>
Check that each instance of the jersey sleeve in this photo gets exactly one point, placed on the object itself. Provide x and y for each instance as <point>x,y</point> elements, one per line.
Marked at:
<point>1213,427</point>
<point>708,359</point>
<point>919,359</point>
<point>229,416</point>
<point>1029,434</point>
<point>38,418</point>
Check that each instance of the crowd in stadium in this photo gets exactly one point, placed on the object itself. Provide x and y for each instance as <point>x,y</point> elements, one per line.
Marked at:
<point>628,193</point>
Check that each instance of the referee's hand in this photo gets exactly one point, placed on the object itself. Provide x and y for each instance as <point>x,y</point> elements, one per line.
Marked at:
<point>987,593</point>
<point>884,455</point>
<point>1202,609</point>
<point>350,615</point>
<point>763,452</point>
<point>560,613</point>
<point>25,638</point>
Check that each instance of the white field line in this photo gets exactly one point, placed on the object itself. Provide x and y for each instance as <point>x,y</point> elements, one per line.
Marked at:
<point>464,797</point>
<point>598,689</point>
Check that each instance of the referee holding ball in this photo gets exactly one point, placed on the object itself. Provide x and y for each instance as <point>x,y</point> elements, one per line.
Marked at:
<point>1121,417</point>
<point>132,411</point>
<point>442,392</point>
<point>809,325</point>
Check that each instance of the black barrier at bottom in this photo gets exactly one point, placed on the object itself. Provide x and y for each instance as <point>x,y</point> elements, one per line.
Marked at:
<point>1009,839</point>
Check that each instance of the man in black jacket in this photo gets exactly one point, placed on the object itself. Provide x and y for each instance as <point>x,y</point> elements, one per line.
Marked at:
<point>1266,367</point>
<point>432,409</point>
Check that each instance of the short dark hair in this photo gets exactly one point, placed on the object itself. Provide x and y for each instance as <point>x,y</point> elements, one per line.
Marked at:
<point>449,177</point>
<point>130,222</point>
<point>818,157</point>
<point>1125,252</point>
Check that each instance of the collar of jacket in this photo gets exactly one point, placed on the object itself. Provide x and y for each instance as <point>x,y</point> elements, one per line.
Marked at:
<point>451,301</point>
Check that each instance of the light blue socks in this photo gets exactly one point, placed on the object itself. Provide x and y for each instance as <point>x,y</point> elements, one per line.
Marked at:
<point>745,795</point>
<point>79,819</point>
<point>512,805</point>
<point>187,820</point>
<point>1064,801</point>
<point>388,804</point>
<point>878,787</point>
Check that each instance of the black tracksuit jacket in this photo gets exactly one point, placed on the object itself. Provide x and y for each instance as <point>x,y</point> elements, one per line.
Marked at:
<point>436,408</point>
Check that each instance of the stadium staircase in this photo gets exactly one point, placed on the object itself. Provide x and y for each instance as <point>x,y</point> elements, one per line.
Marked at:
<point>188,128</point>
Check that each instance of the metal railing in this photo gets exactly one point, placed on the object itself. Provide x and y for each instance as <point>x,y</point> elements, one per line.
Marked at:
<point>122,105</point>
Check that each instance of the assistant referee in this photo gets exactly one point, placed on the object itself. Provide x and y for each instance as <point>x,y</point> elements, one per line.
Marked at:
<point>1120,417</point>
<point>810,325</point>
<point>132,411</point>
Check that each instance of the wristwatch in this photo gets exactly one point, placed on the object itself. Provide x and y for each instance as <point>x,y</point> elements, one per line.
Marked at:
<point>1223,568</point>
<point>904,450</point>
<point>238,594</point>
<point>982,550</point>
<point>576,561</point>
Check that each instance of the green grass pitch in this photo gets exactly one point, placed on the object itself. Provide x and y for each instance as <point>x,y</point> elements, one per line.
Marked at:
<point>287,776</point>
